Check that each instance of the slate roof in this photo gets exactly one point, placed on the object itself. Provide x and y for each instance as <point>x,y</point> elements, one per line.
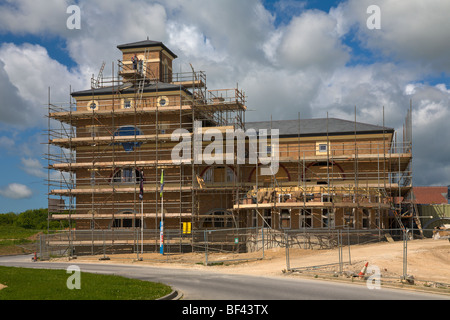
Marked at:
<point>128,88</point>
<point>314,127</point>
<point>144,44</point>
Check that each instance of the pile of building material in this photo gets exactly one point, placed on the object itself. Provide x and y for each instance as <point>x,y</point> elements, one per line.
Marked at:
<point>442,232</point>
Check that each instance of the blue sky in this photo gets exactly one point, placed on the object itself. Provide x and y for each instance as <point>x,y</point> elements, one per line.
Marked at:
<point>289,56</point>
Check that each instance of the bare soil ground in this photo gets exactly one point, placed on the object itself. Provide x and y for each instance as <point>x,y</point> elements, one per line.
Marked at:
<point>428,261</point>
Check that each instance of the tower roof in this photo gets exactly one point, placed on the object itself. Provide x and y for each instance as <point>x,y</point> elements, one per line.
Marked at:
<point>128,88</point>
<point>145,44</point>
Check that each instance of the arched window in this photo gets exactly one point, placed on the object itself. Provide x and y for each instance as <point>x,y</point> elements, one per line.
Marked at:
<point>218,218</point>
<point>126,175</point>
<point>130,131</point>
<point>124,222</point>
<point>219,174</point>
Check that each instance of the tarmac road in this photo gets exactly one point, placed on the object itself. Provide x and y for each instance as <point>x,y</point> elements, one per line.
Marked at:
<point>201,285</point>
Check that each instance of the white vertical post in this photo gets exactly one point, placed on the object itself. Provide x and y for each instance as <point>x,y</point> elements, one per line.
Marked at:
<point>142,228</point>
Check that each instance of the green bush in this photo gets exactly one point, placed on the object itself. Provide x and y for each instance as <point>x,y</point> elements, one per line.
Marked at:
<point>34,219</point>
<point>7,218</point>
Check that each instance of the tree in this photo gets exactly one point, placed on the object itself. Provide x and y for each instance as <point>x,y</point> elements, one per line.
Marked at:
<point>32,219</point>
<point>7,218</point>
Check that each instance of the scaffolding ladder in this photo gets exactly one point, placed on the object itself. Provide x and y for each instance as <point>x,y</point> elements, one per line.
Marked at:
<point>143,79</point>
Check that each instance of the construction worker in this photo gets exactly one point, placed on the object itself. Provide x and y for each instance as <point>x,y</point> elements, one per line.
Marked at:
<point>135,61</point>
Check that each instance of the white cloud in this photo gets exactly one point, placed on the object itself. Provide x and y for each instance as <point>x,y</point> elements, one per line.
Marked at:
<point>16,191</point>
<point>411,31</point>
<point>299,65</point>
<point>431,111</point>
<point>192,42</point>
<point>270,47</point>
<point>35,17</point>
<point>34,167</point>
<point>27,71</point>
<point>280,93</point>
<point>311,40</point>
<point>6,143</point>
<point>235,27</point>
<point>14,109</point>
<point>369,88</point>
<point>106,24</point>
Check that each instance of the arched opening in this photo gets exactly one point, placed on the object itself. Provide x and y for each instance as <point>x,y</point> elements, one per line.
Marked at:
<point>320,171</point>
<point>218,218</point>
<point>281,175</point>
<point>218,174</point>
<point>126,175</point>
<point>130,131</point>
<point>126,219</point>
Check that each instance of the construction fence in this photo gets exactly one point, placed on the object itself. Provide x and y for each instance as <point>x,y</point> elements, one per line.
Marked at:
<point>210,241</point>
<point>227,246</point>
<point>135,240</point>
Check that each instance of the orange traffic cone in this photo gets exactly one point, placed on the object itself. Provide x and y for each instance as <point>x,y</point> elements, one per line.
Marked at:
<point>363,270</point>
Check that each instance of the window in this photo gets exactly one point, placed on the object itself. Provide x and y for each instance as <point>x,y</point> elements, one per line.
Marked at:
<point>125,222</point>
<point>327,218</point>
<point>162,101</point>
<point>254,219</point>
<point>127,103</point>
<point>365,219</point>
<point>126,175</point>
<point>377,219</point>
<point>284,197</point>
<point>267,215</point>
<point>285,219</point>
<point>92,105</point>
<point>131,131</point>
<point>327,197</point>
<point>305,218</point>
<point>218,218</point>
<point>208,176</point>
<point>230,175</point>
<point>321,147</point>
<point>165,71</point>
<point>219,174</point>
<point>349,219</point>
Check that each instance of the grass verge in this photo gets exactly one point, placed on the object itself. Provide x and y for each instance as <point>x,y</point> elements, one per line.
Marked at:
<point>16,240</point>
<point>41,284</point>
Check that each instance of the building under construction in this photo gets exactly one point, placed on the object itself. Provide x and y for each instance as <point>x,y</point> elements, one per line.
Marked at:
<point>111,164</point>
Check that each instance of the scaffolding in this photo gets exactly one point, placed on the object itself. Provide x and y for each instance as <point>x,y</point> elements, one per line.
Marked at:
<point>360,183</point>
<point>108,146</point>
<point>100,148</point>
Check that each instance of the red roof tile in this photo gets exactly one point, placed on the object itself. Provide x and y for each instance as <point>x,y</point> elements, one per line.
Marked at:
<point>430,195</point>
